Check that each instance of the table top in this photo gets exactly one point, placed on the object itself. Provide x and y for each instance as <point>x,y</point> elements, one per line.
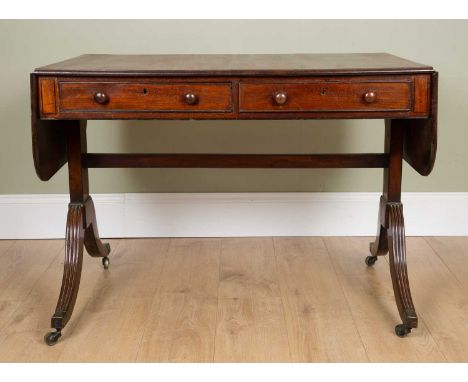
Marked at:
<point>64,94</point>
<point>234,64</point>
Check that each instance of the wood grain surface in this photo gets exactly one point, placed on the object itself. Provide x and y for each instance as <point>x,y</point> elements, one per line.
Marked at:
<point>313,96</point>
<point>236,299</point>
<point>128,96</point>
<point>234,64</point>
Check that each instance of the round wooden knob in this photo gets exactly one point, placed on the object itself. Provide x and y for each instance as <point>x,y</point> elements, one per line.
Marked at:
<point>191,98</point>
<point>369,97</point>
<point>101,98</point>
<point>280,98</point>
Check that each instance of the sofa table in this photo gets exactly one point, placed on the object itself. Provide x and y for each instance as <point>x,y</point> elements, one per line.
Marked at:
<point>232,87</point>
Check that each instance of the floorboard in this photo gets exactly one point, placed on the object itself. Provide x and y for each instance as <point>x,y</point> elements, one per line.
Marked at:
<point>319,321</point>
<point>251,323</point>
<point>370,297</point>
<point>439,298</point>
<point>182,321</point>
<point>281,299</point>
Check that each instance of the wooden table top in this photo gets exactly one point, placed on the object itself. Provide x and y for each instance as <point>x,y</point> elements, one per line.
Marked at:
<point>235,64</point>
<point>234,87</point>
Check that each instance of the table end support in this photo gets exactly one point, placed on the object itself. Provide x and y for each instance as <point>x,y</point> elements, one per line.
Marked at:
<point>390,236</point>
<point>81,232</point>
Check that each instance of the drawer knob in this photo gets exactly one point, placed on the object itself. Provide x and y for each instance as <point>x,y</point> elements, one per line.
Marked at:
<point>191,98</point>
<point>369,97</point>
<point>101,98</point>
<point>280,98</point>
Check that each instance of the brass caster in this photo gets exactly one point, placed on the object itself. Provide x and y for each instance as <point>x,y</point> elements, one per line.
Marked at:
<point>51,338</point>
<point>401,330</point>
<point>105,262</point>
<point>370,260</point>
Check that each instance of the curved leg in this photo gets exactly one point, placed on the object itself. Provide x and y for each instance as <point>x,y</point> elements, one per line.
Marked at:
<point>398,269</point>
<point>74,240</point>
<point>380,246</point>
<point>92,242</point>
<point>81,230</point>
<point>391,228</point>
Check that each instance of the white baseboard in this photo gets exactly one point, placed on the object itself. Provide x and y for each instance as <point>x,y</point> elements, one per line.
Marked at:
<point>234,214</point>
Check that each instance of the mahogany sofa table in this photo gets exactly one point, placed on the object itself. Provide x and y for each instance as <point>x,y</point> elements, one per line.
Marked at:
<point>232,87</point>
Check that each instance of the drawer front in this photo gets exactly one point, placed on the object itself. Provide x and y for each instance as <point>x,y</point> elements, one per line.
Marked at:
<point>144,97</point>
<point>325,96</point>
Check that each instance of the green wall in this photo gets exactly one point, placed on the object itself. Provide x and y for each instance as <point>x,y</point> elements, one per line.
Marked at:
<point>27,44</point>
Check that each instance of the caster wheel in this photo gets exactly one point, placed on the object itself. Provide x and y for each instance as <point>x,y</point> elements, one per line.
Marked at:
<point>51,338</point>
<point>402,330</point>
<point>105,262</point>
<point>370,260</point>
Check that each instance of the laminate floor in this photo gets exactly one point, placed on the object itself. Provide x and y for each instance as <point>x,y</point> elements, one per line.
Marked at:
<point>265,299</point>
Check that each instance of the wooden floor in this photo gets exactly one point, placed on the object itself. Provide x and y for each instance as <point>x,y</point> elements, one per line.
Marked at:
<point>301,299</point>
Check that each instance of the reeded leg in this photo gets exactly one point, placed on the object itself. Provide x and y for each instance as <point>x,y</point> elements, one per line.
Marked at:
<point>391,228</point>
<point>94,246</point>
<point>398,269</point>
<point>81,230</point>
<point>74,240</point>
